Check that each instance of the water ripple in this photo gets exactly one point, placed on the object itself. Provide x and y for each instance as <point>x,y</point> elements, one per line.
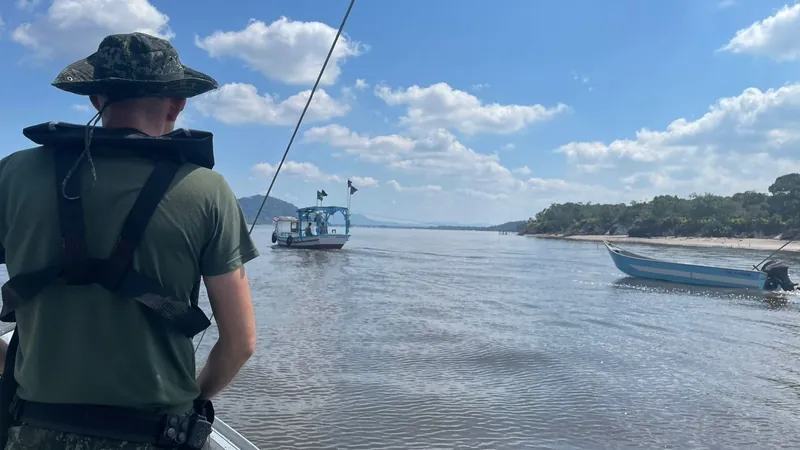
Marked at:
<point>441,340</point>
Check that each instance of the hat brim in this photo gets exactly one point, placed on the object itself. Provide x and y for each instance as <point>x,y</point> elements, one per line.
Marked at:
<point>78,78</point>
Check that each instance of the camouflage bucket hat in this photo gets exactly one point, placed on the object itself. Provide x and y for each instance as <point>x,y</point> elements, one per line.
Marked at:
<point>132,66</point>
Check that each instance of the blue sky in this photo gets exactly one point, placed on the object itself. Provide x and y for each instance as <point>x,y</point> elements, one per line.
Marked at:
<point>453,110</point>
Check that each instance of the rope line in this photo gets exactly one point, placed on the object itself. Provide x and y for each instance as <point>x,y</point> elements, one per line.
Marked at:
<point>294,134</point>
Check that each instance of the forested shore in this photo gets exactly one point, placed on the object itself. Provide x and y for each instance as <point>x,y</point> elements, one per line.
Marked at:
<point>747,214</point>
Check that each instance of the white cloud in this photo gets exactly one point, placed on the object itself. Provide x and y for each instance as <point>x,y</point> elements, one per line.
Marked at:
<point>509,146</point>
<point>81,108</point>
<point>439,154</point>
<point>553,184</point>
<point>440,105</point>
<point>435,154</point>
<point>364,182</point>
<point>238,103</point>
<point>742,142</point>
<point>347,93</point>
<point>777,36</point>
<point>429,188</point>
<point>184,120</point>
<point>725,4</point>
<point>451,171</point>
<point>524,170</point>
<point>594,167</point>
<point>481,194</point>
<point>74,28</point>
<point>310,172</point>
<point>285,50</point>
<point>480,86</point>
<point>305,170</point>
<point>371,149</point>
<point>27,4</point>
<point>361,84</point>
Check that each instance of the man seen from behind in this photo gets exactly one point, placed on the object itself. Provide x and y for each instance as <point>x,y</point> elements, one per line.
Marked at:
<point>107,233</point>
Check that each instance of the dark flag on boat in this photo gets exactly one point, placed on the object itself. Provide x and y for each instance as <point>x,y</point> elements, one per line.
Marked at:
<point>352,188</point>
<point>321,194</point>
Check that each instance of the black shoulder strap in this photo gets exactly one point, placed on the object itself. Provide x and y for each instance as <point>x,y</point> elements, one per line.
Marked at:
<point>76,268</point>
<point>187,318</point>
<point>70,216</point>
<point>135,225</point>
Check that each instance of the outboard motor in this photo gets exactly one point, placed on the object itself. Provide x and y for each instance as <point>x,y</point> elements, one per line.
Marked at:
<point>777,275</point>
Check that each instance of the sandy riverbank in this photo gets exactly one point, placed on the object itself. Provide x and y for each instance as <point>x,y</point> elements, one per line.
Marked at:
<point>737,243</point>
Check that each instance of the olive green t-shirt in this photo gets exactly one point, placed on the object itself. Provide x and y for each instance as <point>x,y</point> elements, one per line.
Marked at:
<point>83,344</point>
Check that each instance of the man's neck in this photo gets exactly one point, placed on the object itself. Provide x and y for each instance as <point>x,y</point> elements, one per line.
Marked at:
<point>145,127</point>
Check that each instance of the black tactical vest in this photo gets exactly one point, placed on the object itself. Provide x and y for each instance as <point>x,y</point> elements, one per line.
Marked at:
<point>115,272</point>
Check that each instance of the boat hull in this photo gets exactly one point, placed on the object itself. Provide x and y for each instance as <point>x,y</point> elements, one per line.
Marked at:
<point>639,266</point>
<point>324,242</point>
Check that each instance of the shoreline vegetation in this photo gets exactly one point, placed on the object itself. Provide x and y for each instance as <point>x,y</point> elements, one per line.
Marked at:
<point>746,220</point>
<point>756,244</point>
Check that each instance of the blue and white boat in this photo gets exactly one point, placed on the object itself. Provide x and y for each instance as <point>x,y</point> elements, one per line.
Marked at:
<point>312,229</point>
<point>771,276</point>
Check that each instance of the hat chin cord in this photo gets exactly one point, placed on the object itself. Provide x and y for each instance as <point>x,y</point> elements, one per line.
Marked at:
<point>89,133</point>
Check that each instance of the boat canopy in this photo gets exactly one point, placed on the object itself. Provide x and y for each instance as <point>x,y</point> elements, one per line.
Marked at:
<point>325,212</point>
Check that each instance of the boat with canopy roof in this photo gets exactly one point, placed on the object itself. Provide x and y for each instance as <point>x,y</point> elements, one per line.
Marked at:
<point>312,228</point>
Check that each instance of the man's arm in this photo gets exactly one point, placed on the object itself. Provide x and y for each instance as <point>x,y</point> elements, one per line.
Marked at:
<point>229,295</point>
<point>222,267</point>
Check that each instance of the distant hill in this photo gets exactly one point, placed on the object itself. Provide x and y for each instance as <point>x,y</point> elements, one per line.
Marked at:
<point>277,207</point>
<point>517,226</point>
<point>511,227</point>
<point>360,220</point>
<point>457,224</point>
<point>274,207</point>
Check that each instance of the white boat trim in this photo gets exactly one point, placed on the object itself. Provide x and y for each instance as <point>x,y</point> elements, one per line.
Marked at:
<point>700,276</point>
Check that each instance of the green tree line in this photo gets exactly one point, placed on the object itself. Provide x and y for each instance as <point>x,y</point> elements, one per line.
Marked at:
<point>745,214</point>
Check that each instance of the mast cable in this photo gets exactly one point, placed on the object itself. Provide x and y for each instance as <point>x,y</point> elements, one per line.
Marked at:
<point>294,134</point>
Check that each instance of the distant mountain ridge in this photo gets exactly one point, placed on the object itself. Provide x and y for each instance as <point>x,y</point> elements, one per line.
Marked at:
<point>274,207</point>
<point>277,207</point>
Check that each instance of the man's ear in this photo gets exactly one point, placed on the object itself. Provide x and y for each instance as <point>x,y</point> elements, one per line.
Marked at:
<point>97,102</point>
<point>176,105</point>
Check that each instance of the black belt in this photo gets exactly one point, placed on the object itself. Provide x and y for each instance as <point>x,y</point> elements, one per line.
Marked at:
<point>186,431</point>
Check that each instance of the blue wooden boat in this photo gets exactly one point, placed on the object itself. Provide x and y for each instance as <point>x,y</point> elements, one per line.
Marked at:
<point>771,276</point>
